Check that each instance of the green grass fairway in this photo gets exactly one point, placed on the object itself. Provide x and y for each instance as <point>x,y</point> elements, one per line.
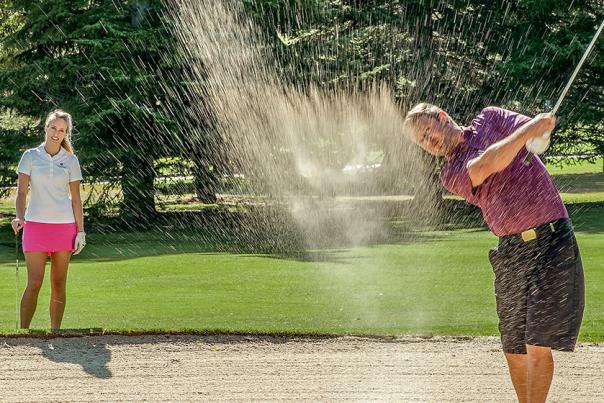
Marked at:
<point>580,167</point>
<point>439,284</point>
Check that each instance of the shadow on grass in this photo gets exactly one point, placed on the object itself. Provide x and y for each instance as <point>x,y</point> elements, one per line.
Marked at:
<point>587,217</point>
<point>579,183</point>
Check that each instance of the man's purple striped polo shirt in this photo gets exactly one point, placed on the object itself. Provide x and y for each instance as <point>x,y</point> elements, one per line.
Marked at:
<point>513,200</point>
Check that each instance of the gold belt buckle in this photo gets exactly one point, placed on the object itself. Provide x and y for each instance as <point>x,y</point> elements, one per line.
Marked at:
<point>529,235</point>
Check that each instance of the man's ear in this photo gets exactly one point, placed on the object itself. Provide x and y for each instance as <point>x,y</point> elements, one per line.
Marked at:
<point>443,117</point>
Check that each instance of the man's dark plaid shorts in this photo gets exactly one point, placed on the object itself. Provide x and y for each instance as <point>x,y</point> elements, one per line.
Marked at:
<point>539,288</point>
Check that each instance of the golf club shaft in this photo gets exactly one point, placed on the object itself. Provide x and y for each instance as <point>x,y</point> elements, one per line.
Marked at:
<point>529,156</point>
<point>17,282</point>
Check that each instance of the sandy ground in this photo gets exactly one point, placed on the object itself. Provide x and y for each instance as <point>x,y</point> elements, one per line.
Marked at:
<point>245,368</point>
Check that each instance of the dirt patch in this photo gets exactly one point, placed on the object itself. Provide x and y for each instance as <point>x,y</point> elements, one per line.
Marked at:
<point>244,368</point>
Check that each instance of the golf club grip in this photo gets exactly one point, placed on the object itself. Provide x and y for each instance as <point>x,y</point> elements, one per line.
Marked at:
<point>534,148</point>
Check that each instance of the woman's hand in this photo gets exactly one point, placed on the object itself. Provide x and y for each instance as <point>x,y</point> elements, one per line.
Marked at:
<point>80,242</point>
<point>17,225</point>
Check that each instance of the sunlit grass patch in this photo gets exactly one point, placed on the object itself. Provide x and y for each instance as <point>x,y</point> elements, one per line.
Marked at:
<point>440,284</point>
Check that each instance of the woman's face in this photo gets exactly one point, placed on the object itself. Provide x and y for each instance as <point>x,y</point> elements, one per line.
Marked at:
<point>56,130</point>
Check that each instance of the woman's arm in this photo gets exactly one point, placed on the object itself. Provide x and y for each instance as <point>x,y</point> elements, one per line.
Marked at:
<point>76,204</point>
<point>22,189</point>
<point>20,201</point>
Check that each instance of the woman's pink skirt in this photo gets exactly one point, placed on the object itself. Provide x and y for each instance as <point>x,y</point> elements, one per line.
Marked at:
<point>44,237</point>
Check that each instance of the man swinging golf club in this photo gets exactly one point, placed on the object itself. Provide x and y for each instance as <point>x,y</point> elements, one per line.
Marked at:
<point>539,285</point>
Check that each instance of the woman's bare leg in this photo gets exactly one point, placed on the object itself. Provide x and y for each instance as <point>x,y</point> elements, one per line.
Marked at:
<point>58,284</point>
<point>36,263</point>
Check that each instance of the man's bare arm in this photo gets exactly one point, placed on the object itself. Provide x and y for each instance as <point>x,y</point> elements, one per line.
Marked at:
<point>501,154</point>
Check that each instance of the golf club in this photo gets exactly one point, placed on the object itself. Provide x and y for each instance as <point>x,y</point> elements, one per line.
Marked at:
<point>539,144</point>
<point>17,281</point>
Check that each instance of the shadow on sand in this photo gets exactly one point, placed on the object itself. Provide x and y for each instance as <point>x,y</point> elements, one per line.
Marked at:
<point>69,347</point>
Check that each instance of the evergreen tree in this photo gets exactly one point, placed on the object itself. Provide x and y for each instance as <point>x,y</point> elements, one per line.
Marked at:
<point>549,38</point>
<point>108,63</point>
<point>15,133</point>
<point>460,54</point>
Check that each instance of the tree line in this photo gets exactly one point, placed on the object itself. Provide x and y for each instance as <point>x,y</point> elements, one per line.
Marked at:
<point>110,64</point>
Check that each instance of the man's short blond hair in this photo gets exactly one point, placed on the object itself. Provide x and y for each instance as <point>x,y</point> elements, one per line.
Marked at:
<point>422,109</point>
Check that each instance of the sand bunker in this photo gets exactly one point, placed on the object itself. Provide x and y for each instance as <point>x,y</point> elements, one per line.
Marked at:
<point>244,368</point>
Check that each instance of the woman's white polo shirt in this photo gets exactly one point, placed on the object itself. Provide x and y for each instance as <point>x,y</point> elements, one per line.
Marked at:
<point>50,200</point>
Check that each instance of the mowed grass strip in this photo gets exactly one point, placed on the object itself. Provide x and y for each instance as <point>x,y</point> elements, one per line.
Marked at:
<point>439,284</point>
<point>577,167</point>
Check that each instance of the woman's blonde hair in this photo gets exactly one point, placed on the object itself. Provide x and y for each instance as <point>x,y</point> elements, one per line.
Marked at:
<point>60,114</point>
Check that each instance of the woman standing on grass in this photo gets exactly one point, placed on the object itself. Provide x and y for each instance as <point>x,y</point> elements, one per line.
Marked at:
<point>53,223</point>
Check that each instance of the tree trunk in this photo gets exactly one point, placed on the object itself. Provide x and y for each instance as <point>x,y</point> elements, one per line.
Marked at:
<point>423,46</point>
<point>205,180</point>
<point>138,175</point>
